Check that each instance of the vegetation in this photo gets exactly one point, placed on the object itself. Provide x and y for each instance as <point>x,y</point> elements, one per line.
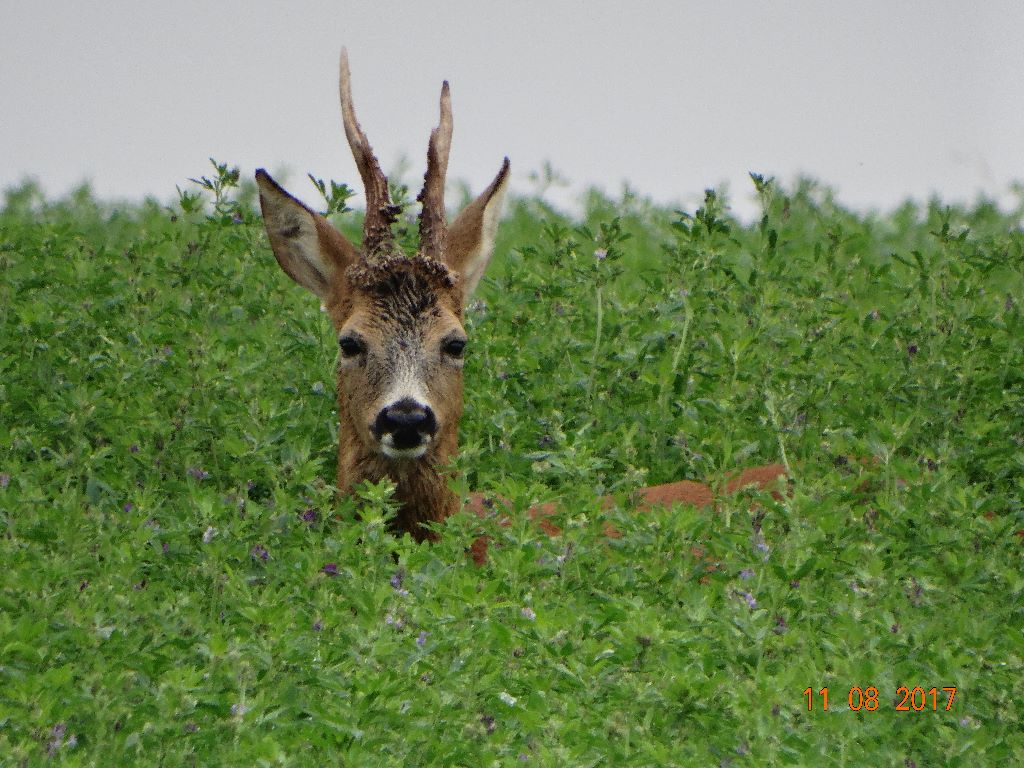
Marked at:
<point>179,587</point>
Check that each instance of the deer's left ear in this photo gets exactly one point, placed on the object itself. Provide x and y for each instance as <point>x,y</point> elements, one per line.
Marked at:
<point>469,244</point>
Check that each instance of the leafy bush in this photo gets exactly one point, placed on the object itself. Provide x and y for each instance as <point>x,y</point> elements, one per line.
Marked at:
<point>179,586</point>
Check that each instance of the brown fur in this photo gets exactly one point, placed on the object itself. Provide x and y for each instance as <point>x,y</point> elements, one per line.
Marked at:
<point>402,311</point>
<point>399,303</point>
<point>770,477</point>
<point>401,314</point>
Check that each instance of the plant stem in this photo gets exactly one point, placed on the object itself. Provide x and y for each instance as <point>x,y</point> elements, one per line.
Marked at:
<point>773,414</point>
<point>676,357</point>
<point>597,344</point>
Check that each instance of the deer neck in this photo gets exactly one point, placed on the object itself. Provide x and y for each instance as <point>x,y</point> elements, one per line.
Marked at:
<point>421,485</point>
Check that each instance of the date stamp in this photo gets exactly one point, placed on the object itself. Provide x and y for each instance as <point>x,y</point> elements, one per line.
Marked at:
<point>916,699</point>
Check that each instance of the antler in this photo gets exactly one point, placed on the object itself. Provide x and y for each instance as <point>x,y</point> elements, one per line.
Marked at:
<point>433,225</point>
<point>380,213</point>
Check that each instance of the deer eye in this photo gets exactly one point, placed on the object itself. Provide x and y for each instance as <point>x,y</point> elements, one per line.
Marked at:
<point>351,346</point>
<point>454,347</point>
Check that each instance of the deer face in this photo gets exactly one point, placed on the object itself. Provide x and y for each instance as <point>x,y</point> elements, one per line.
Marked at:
<point>398,318</point>
<point>401,345</point>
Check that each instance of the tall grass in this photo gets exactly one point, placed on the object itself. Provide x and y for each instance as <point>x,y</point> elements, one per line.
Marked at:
<point>179,587</point>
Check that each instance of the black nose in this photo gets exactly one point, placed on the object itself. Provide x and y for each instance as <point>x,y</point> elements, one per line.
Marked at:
<point>408,423</point>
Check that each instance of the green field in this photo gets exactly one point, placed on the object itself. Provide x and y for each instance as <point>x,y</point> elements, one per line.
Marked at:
<point>178,586</point>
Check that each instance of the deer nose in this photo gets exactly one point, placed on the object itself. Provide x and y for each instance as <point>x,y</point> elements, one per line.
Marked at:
<point>405,424</point>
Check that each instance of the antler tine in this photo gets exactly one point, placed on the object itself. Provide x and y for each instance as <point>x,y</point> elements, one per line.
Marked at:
<point>380,213</point>
<point>433,225</point>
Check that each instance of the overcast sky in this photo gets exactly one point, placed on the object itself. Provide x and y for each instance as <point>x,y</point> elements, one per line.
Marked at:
<point>880,100</point>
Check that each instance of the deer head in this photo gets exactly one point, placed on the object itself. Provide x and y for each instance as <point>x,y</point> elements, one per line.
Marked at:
<point>398,318</point>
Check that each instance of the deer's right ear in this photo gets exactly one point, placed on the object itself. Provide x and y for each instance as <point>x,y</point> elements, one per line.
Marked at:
<point>305,244</point>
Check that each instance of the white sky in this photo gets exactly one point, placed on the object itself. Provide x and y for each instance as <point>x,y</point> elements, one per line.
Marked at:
<point>880,100</point>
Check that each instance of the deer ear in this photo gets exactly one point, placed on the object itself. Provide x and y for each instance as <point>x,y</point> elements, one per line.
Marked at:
<point>470,240</point>
<point>307,247</point>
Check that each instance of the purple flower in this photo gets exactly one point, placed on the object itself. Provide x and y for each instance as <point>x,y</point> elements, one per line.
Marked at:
<point>331,569</point>
<point>601,254</point>
<point>760,544</point>
<point>396,584</point>
<point>239,709</point>
<point>208,534</point>
<point>747,574</point>
<point>317,625</point>
<point>198,473</point>
<point>259,552</point>
<point>750,600</point>
<point>133,448</point>
<point>527,613</point>
<point>129,507</point>
<point>5,479</point>
<point>421,639</point>
<point>56,739</point>
<point>912,349</point>
<point>308,516</point>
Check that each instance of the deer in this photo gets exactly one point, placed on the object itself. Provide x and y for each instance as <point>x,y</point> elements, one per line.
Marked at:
<point>399,325</point>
